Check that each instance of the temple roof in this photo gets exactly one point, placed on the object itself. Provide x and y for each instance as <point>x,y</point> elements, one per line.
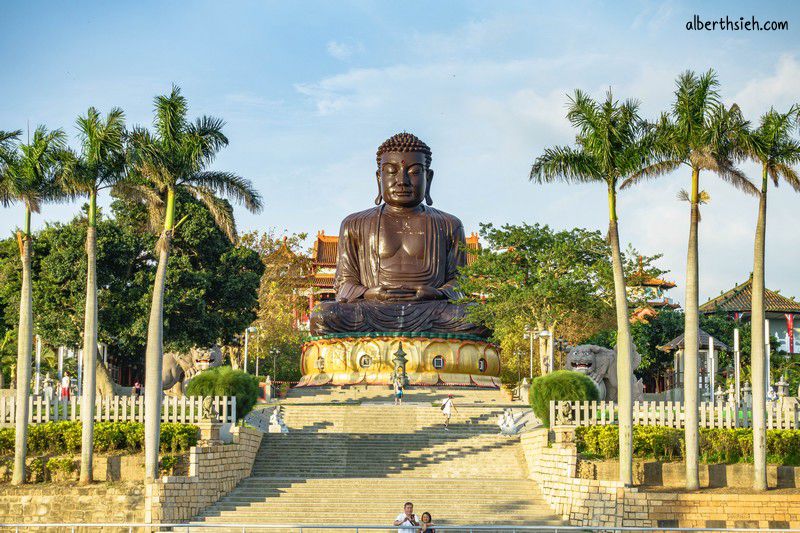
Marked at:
<point>325,247</point>
<point>739,299</point>
<point>678,343</point>
<point>640,278</point>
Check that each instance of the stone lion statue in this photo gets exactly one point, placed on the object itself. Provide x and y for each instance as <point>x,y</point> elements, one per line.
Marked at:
<point>600,364</point>
<point>180,368</point>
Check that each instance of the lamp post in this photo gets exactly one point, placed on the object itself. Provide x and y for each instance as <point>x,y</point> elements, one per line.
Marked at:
<point>529,334</point>
<point>247,332</point>
<point>275,352</point>
<point>545,334</point>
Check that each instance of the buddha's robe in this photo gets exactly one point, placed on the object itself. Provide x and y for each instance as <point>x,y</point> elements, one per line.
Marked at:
<point>359,268</point>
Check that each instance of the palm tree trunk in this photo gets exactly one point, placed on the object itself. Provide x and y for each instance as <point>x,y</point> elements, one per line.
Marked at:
<point>89,349</point>
<point>690,351</point>
<point>624,357</point>
<point>24,351</point>
<point>757,351</point>
<point>154,353</point>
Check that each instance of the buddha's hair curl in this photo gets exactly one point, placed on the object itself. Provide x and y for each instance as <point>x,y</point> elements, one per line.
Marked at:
<point>404,142</point>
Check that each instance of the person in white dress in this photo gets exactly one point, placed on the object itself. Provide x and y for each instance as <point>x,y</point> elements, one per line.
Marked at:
<point>447,410</point>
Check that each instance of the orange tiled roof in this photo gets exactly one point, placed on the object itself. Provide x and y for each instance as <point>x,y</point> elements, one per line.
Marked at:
<point>325,247</point>
<point>739,299</point>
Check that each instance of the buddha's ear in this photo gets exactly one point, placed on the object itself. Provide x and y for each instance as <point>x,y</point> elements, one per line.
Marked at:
<point>379,198</point>
<point>428,199</point>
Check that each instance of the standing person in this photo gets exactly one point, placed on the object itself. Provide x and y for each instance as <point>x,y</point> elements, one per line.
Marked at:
<point>398,391</point>
<point>427,523</point>
<point>447,410</point>
<point>407,520</point>
<point>137,389</point>
<point>47,390</point>
<point>65,387</point>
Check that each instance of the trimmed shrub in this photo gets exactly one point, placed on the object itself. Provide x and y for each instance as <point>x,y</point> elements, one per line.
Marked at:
<point>61,468</point>
<point>225,381</point>
<point>717,446</point>
<point>167,464</point>
<point>177,438</point>
<point>557,386</point>
<point>65,437</point>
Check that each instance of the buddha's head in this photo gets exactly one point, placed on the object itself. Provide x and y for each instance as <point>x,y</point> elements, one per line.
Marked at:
<point>404,174</point>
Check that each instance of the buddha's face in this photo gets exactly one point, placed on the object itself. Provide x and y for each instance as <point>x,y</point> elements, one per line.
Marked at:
<point>404,178</point>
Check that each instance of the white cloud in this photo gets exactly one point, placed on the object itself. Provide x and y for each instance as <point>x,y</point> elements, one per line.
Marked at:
<point>778,89</point>
<point>343,51</point>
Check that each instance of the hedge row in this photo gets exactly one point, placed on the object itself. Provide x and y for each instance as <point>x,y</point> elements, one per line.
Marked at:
<point>65,437</point>
<point>717,446</point>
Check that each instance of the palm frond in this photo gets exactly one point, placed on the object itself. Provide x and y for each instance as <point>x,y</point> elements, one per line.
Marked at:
<point>144,194</point>
<point>221,210</point>
<point>170,119</point>
<point>230,185</point>
<point>650,171</point>
<point>565,164</point>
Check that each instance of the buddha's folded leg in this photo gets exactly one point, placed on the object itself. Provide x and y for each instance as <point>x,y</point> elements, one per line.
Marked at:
<point>437,316</point>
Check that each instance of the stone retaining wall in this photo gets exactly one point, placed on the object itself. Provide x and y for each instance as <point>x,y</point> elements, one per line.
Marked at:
<point>553,463</point>
<point>46,502</point>
<point>213,472</point>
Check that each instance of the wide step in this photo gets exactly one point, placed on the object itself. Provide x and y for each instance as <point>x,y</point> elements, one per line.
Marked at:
<point>348,464</point>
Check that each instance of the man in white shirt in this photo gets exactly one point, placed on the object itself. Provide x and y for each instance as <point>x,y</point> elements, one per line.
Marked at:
<point>407,520</point>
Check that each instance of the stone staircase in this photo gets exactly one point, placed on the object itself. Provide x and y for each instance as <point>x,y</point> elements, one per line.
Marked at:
<point>358,464</point>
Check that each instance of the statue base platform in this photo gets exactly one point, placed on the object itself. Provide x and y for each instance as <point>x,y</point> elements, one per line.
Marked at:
<point>368,359</point>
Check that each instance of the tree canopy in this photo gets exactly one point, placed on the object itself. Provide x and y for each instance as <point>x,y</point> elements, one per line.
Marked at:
<point>211,295</point>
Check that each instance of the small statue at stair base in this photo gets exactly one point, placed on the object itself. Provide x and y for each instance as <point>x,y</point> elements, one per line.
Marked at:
<point>276,424</point>
<point>180,368</point>
<point>600,364</point>
<point>508,423</point>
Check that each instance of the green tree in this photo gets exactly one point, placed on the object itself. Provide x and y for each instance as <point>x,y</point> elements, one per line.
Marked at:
<point>611,146</point>
<point>701,133</point>
<point>210,298</point>
<point>532,275</point>
<point>173,158</point>
<point>281,300</point>
<point>33,174</point>
<point>773,146</point>
<point>101,165</point>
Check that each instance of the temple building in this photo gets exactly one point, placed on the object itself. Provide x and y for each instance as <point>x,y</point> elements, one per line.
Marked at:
<point>650,293</point>
<point>323,269</point>
<point>780,311</point>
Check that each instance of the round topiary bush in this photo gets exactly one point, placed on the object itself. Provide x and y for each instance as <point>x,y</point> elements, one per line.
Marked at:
<point>225,381</point>
<point>560,385</point>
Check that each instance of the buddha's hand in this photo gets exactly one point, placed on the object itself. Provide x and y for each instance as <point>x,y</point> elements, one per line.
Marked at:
<point>426,292</point>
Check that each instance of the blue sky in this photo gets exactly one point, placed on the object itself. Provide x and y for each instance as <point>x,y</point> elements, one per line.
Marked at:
<point>310,89</point>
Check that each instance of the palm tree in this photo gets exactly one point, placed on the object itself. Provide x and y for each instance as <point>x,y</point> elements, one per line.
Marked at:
<point>773,146</point>
<point>612,144</point>
<point>704,135</point>
<point>101,165</point>
<point>175,158</point>
<point>33,175</point>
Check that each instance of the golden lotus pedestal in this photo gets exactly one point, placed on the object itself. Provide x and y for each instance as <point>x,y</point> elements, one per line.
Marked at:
<point>368,359</point>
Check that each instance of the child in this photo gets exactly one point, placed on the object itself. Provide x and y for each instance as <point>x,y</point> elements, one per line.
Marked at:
<point>398,391</point>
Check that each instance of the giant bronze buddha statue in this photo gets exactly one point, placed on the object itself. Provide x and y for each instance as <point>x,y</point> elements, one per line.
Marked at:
<point>398,262</point>
<point>396,282</point>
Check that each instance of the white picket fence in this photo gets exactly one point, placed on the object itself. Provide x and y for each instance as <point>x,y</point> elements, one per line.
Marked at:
<point>671,414</point>
<point>187,410</point>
